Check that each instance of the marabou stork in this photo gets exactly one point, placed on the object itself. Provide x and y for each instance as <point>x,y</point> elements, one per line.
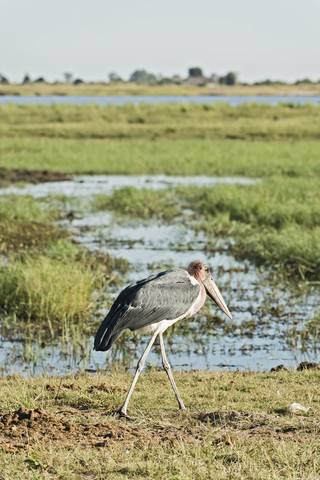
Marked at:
<point>153,304</point>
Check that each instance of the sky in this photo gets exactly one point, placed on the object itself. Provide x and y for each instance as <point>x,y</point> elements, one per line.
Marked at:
<point>257,39</point>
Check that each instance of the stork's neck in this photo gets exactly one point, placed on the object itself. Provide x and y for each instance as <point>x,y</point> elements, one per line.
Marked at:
<point>202,295</point>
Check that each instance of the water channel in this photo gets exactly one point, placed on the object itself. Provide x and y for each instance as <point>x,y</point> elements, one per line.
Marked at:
<point>232,100</point>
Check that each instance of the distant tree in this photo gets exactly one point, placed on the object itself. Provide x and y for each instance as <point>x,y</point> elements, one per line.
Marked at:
<point>195,72</point>
<point>3,80</point>
<point>39,80</point>
<point>304,80</point>
<point>78,81</point>
<point>270,82</point>
<point>229,79</point>
<point>142,76</point>
<point>114,77</point>
<point>264,82</point>
<point>68,77</point>
<point>26,78</point>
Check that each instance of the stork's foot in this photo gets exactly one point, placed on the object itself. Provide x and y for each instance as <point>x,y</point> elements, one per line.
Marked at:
<point>123,413</point>
<point>182,407</point>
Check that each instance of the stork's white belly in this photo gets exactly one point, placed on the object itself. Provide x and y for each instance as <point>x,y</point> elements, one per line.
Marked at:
<point>159,326</point>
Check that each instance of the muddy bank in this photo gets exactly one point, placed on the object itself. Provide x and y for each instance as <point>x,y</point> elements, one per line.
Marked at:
<point>15,175</point>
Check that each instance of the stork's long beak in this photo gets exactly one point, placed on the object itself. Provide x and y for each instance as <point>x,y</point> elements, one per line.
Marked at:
<point>213,292</point>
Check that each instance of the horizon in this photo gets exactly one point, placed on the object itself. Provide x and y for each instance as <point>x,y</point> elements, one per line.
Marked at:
<point>159,76</point>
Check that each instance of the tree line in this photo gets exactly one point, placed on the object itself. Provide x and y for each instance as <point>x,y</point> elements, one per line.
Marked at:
<point>195,77</point>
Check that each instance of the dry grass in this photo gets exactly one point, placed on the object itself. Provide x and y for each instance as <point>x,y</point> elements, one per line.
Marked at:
<point>249,121</point>
<point>237,426</point>
<point>127,88</point>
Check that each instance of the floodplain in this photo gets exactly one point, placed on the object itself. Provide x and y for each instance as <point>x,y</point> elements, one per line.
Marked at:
<point>65,256</point>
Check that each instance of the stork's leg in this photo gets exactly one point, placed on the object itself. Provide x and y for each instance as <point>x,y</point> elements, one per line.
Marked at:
<point>140,365</point>
<point>166,366</point>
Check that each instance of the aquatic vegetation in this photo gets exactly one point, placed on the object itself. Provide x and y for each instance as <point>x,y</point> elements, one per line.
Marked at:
<point>45,278</point>
<point>24,225</point>
<point>53,287</point>
<point>275,202</point>
<point>275,222</point>
<point>143,204</point>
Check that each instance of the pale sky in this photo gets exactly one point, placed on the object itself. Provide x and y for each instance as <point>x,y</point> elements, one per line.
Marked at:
<point>277,39</point>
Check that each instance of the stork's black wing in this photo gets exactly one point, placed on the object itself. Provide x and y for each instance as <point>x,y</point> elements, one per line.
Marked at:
<point>165,296</point>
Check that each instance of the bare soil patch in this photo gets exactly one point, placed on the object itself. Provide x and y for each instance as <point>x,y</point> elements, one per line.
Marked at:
<point>14,175</point>
<point>244,424</point>
<point>22,428</point>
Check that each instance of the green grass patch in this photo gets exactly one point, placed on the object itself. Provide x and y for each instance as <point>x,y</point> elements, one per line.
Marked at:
<point>54,288</point>
<point>45,279</point>
<point>143,204</point>
<point>24,225</point>
<point>275,202</point>
<point>276,222</point>
<point>189,157</point>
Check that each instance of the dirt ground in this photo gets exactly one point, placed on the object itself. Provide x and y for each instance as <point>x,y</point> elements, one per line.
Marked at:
<point>24,428</point>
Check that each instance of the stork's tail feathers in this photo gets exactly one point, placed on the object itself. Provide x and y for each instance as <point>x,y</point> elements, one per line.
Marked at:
<point>105,336</point>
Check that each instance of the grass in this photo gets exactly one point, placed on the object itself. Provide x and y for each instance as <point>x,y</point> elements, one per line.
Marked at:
<point>188,157</point>
<point>24,225</point>
<point>126,88</point>
<point>237,426</point>
<point>276,222</point>
<point>53,287</point>
<point>45,279</point>
<point>249,121</point>
<point>143,204</point>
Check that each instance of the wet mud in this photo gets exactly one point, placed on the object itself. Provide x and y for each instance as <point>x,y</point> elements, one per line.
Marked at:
<point>15,175</point>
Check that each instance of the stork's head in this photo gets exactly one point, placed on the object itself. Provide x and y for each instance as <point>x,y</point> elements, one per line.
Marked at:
<point>201,272</point>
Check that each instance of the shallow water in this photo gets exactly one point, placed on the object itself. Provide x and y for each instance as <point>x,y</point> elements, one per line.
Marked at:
<point>257,338</point>
<point>232,100</point>
<point>82,186</point>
